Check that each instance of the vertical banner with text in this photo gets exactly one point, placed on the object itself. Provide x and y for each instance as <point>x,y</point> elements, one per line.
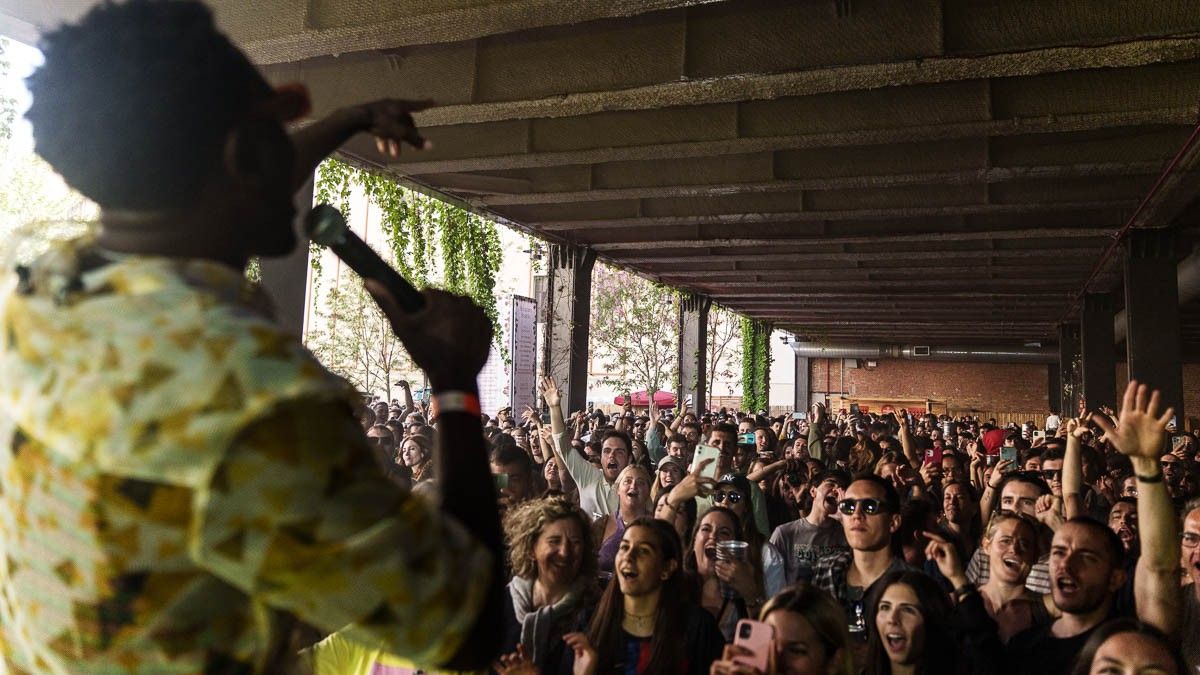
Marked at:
<point>523,348</point>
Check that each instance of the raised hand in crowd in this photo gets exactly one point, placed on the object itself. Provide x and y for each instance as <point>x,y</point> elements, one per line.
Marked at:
<point>1140,434</point>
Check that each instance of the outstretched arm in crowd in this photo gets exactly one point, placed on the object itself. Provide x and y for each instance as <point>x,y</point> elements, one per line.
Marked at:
<point>816,431</point>
<point>578,468</point>
<point>1072,469</point>
<point>408,399</point>
<point>906,442</point>
<point>1140,434</point>
<point>654,444</point>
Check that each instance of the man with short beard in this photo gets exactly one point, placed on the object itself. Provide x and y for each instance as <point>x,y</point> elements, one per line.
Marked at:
<point>795,547</point>
<point>597,493</point>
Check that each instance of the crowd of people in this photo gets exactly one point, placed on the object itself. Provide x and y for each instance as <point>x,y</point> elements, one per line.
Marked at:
<point>185,489</point>
<point>873,543</point>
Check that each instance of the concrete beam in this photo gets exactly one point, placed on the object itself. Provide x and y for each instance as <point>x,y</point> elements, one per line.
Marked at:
<point>749,87</point>
<point>412,24</point>
<point>471,158</point>
<point>992,175</point>
<point>828,215</point>
<point>922,237</point>
<point>653,260</point>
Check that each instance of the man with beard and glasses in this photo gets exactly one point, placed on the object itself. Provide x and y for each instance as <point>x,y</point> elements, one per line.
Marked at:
<point>1087,561</point>
<point>597,493</point>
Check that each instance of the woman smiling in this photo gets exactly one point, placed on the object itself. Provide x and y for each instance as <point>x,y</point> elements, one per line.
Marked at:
<point>552,554</point>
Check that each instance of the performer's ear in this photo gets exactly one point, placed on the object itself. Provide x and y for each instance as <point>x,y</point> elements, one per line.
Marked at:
<point>258,153</point>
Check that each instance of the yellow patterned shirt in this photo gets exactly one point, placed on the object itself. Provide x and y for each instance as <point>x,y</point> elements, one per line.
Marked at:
<point>179,478</point>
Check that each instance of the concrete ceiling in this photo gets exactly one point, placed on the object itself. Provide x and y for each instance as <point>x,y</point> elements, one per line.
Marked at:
<point>940,172</point>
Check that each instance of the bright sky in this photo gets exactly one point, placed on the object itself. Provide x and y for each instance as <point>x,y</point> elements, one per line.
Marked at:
<point>22,59</point>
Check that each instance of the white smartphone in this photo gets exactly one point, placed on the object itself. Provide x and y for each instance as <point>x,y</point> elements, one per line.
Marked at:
<point>704,452</point>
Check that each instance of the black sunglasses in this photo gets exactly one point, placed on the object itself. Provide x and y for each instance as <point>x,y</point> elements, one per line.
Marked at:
<point>1051,474</point>
<point>733,497</point>
<point>868,506</point>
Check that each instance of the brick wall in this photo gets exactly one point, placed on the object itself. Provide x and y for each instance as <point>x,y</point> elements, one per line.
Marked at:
<point>993,387</point>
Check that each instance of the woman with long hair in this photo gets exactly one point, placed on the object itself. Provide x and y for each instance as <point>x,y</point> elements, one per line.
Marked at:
<point>416,455</point>
<point>1011,543</point>
<point>644,623</point>
<point>713,576</point>
<point>553,559</point>
<point>908,613</point>
<point>810,636</point>
<point>633,502</point>
<point>669,474</point>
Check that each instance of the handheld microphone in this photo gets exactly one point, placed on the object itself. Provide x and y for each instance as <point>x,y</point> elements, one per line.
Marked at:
<point>325,225</point>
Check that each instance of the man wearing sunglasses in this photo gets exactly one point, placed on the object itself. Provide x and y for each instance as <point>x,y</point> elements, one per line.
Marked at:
<point>870,511</point>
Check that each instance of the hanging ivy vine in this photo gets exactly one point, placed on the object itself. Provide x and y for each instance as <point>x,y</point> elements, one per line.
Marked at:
<point>756,364</point>
<point>433,243</point>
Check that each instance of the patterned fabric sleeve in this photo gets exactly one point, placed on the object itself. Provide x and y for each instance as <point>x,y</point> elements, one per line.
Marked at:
<point>299,516</point>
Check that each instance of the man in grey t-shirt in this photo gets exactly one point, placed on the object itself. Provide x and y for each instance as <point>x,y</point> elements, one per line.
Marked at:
<point>795,547</point>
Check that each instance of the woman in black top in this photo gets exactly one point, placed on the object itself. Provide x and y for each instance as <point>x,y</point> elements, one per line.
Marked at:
<point>645,624</point>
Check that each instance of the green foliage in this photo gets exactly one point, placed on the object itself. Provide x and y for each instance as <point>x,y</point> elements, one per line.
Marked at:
<point>723,349</point>
<point>8,104</point>
<point>433,243</point>
<point>635,330</point>
<point>254,270</point>
<point>357,341</point>
<point>756,364</point>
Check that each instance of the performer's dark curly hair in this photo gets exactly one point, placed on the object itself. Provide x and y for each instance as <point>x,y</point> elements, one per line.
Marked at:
<point>134,101</point>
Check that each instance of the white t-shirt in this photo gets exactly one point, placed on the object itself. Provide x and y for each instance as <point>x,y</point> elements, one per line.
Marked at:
<point>597,497</point>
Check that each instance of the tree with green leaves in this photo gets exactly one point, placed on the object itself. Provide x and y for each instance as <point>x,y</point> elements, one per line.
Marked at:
<point>724,345</point>
<point>634,331</point>
<point>356,341</point>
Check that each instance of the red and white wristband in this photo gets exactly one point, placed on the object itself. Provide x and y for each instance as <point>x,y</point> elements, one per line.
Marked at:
<point>456,401</point>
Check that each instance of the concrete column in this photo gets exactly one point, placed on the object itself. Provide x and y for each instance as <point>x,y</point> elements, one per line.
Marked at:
<point>286,279</point>
<point>1068,361</point>
<point>568,321</point>
<point>1054,388</point>
<point>803,399</point>
<point>693,350</point>
<point>1152,314</point>
<point>1098,357</point>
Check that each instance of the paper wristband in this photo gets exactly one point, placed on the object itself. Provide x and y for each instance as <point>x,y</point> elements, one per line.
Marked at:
<point>456,401</point>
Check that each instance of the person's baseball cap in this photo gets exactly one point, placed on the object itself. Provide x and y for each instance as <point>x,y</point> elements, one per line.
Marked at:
<point>670,460</point>
<point>737,482</point>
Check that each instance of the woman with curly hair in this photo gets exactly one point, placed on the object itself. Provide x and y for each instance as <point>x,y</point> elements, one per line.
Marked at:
<point>553,559</point>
